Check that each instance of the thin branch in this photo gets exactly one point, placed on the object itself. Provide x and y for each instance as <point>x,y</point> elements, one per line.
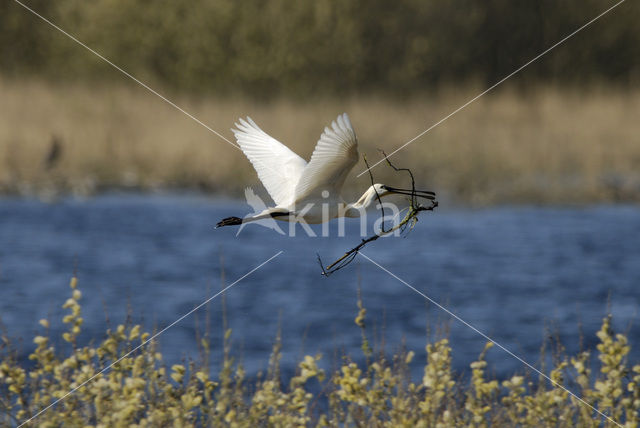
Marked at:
<point>407,223</point>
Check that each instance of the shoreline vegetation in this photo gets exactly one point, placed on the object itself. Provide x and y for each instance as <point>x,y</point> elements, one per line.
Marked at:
<point>140,390</point>
<point>546,145</point>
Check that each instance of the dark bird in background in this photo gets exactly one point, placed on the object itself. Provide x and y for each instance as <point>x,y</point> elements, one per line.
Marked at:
<point>54,153</point>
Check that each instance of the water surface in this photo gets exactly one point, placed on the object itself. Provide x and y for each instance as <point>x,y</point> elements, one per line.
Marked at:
<point>517,274</point>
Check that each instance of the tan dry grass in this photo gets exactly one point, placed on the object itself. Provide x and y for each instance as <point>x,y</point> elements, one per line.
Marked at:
<point>543,146</point>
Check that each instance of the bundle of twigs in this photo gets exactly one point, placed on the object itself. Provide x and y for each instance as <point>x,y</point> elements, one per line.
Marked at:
<point>407,223</point>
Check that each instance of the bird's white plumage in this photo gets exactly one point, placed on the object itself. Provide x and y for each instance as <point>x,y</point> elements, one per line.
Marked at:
<point>285,175</point>
<point>297,187</point>
<point>277,166</point>
<point>334,156</point>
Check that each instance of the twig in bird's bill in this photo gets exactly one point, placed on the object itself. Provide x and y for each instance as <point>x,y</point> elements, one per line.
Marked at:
<point>407,223</point>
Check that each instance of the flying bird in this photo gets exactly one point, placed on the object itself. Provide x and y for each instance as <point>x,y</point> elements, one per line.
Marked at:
<point>308,191</point>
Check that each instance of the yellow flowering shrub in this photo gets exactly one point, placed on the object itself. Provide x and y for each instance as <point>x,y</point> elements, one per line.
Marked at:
<point>140,391</point>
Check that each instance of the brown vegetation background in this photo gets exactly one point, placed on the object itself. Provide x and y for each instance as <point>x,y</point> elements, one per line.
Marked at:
<point>563,130</point>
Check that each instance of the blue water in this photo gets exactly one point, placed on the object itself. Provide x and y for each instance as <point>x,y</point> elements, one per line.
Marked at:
<point>517,274</point>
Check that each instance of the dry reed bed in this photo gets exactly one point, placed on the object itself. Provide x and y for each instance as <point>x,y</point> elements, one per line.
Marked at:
<point>546,145</point>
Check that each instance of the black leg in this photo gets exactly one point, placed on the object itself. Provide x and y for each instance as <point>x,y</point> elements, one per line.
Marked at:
<point>229,221</point>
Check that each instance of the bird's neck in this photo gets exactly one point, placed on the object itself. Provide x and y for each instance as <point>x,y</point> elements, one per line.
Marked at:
<point>366,200</point>
<point>352,210</point>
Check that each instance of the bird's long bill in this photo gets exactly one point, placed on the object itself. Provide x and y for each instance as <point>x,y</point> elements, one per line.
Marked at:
<point>408,192</point>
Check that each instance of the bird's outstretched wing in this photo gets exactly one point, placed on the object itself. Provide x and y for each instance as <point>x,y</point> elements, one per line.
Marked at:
<point>277,166</point>
<point>334,156</point>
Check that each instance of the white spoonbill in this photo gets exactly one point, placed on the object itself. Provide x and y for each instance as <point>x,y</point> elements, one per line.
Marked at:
<point>307,191</point>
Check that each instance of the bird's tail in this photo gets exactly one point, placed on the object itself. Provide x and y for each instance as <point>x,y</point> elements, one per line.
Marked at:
<point>229,221</point>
